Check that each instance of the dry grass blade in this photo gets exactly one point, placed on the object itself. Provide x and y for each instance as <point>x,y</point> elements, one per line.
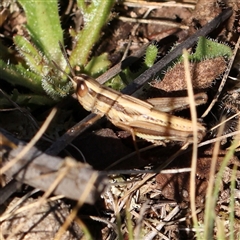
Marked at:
<point>209,196</point>
<point>134,3</point>
<point>82,198</point>
<point>195,137</point>
<point>150,21</point>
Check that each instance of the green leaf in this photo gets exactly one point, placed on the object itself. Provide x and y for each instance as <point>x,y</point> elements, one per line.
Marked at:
<point>151,55</point>
<point>207,48</point>
<point>51,79</point>
<point>95,17</point>
<point>33,57</point>
<point>18,75</point>
<point>115,83</point>
<point>36,70</point>
<point>128,76</point>
<point>43,24</point>
<point>97,65</point>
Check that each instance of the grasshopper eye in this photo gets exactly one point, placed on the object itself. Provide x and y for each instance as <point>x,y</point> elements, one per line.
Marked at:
<point>82,88</point>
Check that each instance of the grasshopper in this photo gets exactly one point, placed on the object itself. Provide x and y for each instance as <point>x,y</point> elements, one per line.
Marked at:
<point>139,117</point>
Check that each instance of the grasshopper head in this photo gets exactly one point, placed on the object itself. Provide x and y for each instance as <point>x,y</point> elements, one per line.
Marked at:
<point>86,90</point>
<point>79,83</point>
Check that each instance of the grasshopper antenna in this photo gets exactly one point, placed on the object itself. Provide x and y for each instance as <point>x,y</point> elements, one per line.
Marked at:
<point>68,63</point>
<point>55,64</point>
<point>66,58</point>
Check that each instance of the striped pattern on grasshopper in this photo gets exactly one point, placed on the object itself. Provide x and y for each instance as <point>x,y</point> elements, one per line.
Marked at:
<point>139,117</point>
